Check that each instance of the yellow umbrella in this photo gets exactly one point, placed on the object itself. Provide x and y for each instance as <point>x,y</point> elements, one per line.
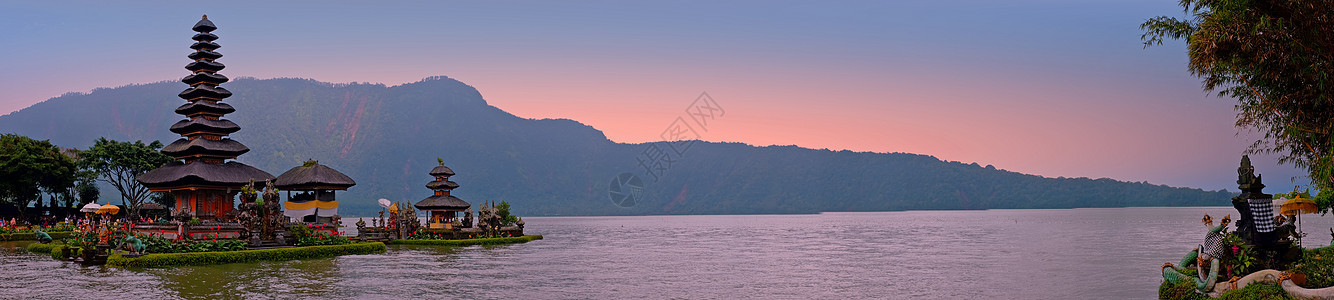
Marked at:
<point>108,209</point>
<point>1298,205</point>
<point>393,208</point>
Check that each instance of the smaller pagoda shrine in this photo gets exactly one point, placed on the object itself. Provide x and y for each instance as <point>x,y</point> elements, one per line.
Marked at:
<point>444,207</point>
<point>315,184</point>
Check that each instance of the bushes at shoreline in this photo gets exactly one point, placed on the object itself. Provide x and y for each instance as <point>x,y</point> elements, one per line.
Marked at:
<point>470,242</point>
<point>213,258</point>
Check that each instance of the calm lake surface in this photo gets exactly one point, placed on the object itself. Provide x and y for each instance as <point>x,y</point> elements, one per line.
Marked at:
<point>1007,254</point>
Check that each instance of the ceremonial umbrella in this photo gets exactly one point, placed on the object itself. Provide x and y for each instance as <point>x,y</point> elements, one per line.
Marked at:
<point>108,209</point>
<point>91,207</point>
<point>1298,205</point>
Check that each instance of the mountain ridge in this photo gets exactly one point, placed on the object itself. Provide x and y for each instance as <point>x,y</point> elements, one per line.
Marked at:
<point>387,137</point>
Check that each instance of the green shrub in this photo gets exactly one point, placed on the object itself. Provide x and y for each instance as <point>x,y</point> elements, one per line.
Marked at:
<point>1184,290</point>
<point>213,258</point>
<point>41,248</point>
<point>470,242</point>
<point>1318,266</point>
<point>1256,292</point>
<point>58,251</point>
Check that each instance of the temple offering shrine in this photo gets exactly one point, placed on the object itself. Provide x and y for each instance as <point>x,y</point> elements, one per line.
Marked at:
<point>205,177</point>
<point>444,207</point>
<point>315,185</point>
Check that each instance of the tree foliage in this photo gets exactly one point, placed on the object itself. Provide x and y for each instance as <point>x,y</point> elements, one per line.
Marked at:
<point>119,163</point>
<point>28,167</point>
<point>1276,58</point>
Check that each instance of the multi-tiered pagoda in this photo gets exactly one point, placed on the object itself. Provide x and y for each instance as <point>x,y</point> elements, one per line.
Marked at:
<point>202,178</point>
<point>443,206</point>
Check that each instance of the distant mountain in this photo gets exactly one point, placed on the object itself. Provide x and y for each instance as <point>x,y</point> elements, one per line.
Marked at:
<point>387,138</point>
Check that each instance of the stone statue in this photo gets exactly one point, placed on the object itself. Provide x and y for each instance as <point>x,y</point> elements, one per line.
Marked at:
<point>1250,186</point>
<point>133,244</point>
<point>1211,252</point>
<point>467,218</point>
<point>42,236</point>
<point>184,214</point>
<point>488,219</point>
<point>272,210</point>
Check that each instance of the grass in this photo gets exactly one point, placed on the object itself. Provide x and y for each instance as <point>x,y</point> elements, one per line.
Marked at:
<point>1186,291</point>
<point>470,242</point>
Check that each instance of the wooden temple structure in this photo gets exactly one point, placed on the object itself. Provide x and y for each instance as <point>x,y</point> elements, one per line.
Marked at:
<point>443,207</point>
<point>315,184</point>
<point>205,177</point>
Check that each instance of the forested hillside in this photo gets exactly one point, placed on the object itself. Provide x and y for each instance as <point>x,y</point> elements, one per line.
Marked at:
<point>387,138</point>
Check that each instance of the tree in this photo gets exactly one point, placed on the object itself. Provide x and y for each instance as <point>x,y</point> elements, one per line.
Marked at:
<point>28,166</point>
<point>82,190</point>
<point>1276,58</point>
<point>88,192</point>
<point>119,163</point>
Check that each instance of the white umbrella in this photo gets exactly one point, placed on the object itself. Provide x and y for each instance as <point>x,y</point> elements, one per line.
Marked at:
<point>385,203</point>
<point>91,207</point>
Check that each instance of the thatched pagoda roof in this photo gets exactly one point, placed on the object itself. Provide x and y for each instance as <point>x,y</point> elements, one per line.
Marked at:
<point>442,185</point>
<point>177,173</point>
<point>205,107</point>
<point>220,126</point>
<point>442,171</point>
<point>442,202</point>
<point>207,147</point>
<point>313,177</point>
<point>204,25</point>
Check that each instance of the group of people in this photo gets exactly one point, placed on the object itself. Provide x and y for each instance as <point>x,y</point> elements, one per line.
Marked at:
<point>44,221</point>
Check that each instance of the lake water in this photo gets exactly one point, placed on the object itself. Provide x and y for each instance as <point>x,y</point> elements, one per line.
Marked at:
<point>1111,253</point>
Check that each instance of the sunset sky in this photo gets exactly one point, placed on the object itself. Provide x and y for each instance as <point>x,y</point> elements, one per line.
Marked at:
<point>1051,87</point>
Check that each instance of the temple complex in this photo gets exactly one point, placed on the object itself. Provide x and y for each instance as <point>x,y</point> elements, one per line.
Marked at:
<point>205,178</point>
<point>443,207</point>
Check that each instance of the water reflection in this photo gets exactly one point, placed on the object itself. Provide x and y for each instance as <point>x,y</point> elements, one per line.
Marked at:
<point>1008,254</point>
<point>303,278</point>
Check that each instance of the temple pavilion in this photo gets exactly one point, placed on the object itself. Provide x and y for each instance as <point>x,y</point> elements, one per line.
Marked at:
<point>444,207</point>
<point>315,185</point>
<point>205,177</point>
